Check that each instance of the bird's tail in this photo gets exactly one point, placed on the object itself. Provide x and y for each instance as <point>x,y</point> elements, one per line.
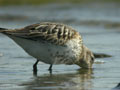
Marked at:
<point>3,30</point>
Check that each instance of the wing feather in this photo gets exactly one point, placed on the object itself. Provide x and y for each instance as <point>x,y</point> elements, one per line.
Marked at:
<point>52,32</point>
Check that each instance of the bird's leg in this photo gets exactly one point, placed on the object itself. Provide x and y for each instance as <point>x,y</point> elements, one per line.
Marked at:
<point>50,68</point>
<point>35,67</point>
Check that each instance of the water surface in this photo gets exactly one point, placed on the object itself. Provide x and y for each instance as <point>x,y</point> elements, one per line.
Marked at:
<point>99,25</point>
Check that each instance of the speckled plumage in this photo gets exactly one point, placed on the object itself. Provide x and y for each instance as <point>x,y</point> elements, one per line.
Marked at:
<point>52,43</point>
<point>54,33</point>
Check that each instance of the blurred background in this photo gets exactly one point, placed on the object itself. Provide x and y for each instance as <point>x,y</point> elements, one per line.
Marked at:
<point>82,12</point>
<point>98,21</point>
<point>38,2</point>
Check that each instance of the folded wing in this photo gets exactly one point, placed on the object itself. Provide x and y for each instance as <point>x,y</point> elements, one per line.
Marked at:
<point>54,33</point>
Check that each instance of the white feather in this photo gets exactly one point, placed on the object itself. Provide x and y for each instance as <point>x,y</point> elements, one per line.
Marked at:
<point>51,53</point>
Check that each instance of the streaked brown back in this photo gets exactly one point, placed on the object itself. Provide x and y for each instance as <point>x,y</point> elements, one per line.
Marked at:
<point>52,32</point>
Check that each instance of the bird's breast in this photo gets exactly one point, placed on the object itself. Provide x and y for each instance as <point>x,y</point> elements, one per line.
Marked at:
<point>50,53</point>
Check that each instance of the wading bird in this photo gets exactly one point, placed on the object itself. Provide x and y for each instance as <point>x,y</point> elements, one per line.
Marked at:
<point>52,43</point>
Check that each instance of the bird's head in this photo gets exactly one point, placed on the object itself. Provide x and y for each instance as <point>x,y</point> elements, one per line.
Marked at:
<point>86,58</point>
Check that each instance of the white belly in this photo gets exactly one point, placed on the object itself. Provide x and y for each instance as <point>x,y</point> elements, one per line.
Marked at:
<point>49,53</point>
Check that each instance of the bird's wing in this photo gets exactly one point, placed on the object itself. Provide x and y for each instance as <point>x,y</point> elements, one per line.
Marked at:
<point>51,32</point>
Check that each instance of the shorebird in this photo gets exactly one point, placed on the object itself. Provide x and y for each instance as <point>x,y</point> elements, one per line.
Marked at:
<point>52,43</point>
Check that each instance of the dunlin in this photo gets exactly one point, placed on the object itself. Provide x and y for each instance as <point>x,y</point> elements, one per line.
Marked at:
<point>52,43</point>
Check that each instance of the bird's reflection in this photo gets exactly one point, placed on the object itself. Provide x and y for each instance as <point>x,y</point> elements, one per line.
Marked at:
<point>81,80</point>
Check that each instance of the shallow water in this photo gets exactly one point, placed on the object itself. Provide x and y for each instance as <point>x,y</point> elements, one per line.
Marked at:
<point>97,23</point>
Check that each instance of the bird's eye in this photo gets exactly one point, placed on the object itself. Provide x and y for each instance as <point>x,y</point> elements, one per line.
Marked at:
<point>92,58</point>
